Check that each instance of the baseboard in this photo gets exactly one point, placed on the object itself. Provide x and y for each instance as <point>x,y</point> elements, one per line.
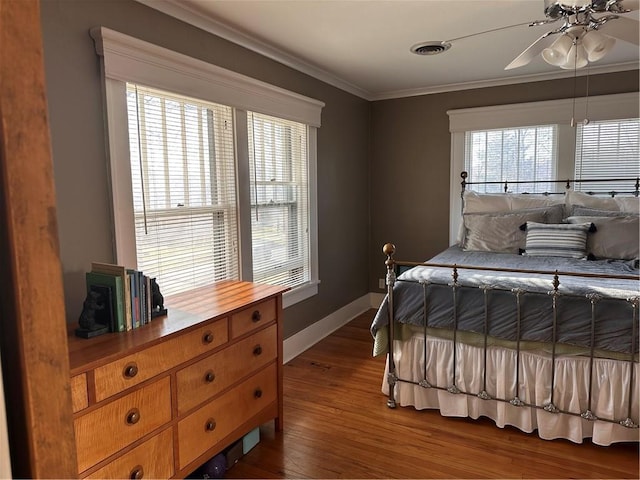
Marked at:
<point>376,299</point>
<point>301,341</point>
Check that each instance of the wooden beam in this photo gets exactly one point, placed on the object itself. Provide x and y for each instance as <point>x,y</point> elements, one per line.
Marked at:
<point>33,342</point>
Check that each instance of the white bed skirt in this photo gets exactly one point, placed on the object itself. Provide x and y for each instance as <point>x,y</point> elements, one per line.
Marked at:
<point>610,391</point>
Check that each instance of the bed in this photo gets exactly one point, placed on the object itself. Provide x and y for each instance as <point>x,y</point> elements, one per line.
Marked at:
<point>530,319</point>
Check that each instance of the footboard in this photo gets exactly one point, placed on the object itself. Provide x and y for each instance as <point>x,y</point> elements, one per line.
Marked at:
<point>581,326</point>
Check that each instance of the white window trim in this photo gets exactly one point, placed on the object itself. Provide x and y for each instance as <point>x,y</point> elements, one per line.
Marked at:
<point>560,112</point>
<point>127,59</point>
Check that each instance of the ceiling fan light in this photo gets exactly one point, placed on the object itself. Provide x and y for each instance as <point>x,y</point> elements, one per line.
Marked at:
<point>597,45</point>
<point>557,53</point>
<point>576,58</point>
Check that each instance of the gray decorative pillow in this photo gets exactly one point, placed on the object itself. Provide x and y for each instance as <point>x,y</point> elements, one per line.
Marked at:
<point>557,240</point>
<point>616,237</point>
<point>498,232</point>
<point>554,213</point>
<point>580,211</point>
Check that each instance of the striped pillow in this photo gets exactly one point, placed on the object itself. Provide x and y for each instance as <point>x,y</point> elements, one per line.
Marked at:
<point>557,240</point>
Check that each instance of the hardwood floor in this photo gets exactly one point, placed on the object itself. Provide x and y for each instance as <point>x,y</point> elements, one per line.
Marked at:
<point>337,425</point>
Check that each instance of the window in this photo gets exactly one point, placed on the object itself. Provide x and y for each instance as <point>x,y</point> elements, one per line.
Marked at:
<point>606,143</point>
<point>607,149</point>
<point>184,196</point>
<point>213,174</point>
<point>511,154</point>
<point>279,200</point>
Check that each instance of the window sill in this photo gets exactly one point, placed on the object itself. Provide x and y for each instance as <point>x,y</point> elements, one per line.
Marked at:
<point>300,293</point>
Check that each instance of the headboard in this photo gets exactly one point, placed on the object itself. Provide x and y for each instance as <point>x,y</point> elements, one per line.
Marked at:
<point>564,186</point>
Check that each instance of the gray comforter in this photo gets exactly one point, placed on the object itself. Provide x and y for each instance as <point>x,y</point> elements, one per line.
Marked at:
<point>614,314</point>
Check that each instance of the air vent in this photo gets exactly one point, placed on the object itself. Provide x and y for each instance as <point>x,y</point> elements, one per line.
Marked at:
<point>430,48</point>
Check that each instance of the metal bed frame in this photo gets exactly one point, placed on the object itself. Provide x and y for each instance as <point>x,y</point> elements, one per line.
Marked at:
<point>553,293</point>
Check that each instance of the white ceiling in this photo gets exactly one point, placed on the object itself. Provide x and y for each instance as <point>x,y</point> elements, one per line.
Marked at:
<point>363,46</point>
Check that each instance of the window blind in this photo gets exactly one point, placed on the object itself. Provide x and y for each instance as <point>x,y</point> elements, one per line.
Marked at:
<point>184,188</point>
<point>512,154</point>
<point>278,164</point>
<point>607,149</point>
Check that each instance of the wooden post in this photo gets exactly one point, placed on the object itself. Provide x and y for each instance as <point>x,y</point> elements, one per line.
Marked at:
<point>33,338</point>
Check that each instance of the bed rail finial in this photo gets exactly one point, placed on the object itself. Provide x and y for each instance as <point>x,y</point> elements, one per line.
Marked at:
<point>464,176</point>
<point>389,249</point>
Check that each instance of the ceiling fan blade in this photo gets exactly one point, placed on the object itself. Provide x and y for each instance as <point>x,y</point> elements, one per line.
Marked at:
<point>630,4</point>
<point>532,51</point>
<point>623,28</point>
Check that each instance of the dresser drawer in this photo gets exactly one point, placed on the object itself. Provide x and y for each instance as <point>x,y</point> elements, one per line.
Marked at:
<point>209,376</point>
<point>201,430</point>
<point>152,459</point>
<point>115,425</point>
<point>79,394</point>
<point>133,369</point>
<point>254,317</point>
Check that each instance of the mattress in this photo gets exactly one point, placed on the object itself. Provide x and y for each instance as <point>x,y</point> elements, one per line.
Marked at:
<point>428,289</point>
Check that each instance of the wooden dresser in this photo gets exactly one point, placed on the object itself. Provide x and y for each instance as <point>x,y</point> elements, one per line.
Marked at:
<point>158,401</point>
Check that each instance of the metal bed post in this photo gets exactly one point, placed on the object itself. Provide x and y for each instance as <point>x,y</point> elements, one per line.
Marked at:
<point>425,306</point>
<point>484,395</point>
<point>635,302</point>
<point>453,388</point>
<point>516,401</point>
<point>588,413</point>
<point>551,407</point>
<point>389,249</point>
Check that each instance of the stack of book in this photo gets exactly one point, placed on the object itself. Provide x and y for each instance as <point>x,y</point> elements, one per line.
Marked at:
<point>129,291</point>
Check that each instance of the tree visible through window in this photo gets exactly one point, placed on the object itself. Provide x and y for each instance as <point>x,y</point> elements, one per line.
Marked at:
<point>184,196</point>
<point>511,154</point>
<point>279,200</point>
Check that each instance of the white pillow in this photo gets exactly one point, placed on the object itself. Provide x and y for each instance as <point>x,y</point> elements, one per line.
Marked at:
<point>628,204</point>
<point>574,198</point>
<point>525,200</point>
<point>475,202</point>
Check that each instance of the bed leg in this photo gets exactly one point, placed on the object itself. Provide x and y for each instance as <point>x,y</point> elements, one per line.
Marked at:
<point>389,249</point>
<point>391,380</point>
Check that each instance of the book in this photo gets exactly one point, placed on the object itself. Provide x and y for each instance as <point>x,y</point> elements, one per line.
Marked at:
<point>149,295</point>
<point>135,297</point>
<point>120,271</point>
<point>110,287</point>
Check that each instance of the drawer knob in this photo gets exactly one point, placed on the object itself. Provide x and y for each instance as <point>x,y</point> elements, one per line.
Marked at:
<point>207,337</point>
<point>130,371</point>
<point>256,316</point>
<point>133,416</point>
<point>210,425</point>
<point>257,350</point>
<point>257,393</point>
<point>209,376</point>
<point>137,473</point>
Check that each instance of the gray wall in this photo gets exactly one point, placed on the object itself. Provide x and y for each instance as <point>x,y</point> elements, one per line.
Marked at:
<point>410,154</point>
<point>80,165</point>
<point>383,167</point>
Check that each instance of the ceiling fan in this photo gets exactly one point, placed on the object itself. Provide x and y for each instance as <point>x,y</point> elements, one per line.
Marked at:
<point>573,44</point>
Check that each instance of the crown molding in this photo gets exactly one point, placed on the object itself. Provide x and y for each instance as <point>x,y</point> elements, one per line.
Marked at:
<point>193,16</point>
<point>620,67</point>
